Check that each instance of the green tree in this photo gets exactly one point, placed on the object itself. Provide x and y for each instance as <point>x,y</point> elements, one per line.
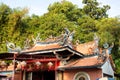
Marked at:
<point>4,13</point>
<point>86,29</point>
<point>71,11</point>
<point>92,8</point>
<point>10,25</point>
<point>53,24</point>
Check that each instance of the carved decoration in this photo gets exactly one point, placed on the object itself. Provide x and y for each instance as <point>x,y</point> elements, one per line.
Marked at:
<point>109,49</point>
<point>37,39</point>
<point>27,44</point>
<point>96,40</point>
<point>59,57</point>
<point>105,52</point>
<point>68,37</point>
<point>12,48</point>
<point>63,40</point>
<point>77,42</point>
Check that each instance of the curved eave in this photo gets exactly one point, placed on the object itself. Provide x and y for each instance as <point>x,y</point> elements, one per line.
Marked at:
<point>79,67</point>
<point>84,63</point>
<point>39,53</point>
<point>11,56</point>
<point>52,50</point>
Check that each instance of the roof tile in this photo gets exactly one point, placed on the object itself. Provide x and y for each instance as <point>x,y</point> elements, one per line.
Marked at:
<point>88,61</point>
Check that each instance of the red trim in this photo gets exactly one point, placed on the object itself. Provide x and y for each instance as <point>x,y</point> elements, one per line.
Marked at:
<point>42,60</point>
<point>32,67</point>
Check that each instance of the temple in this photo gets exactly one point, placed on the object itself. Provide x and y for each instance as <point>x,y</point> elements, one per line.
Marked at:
<point>57,58</point>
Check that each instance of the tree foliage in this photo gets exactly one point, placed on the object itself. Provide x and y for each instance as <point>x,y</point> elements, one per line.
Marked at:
<point>10,25</point>
<point>92,8</point>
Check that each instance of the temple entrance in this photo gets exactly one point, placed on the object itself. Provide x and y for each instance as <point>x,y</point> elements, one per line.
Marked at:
<point>43,75</point>
<point>42,69</point>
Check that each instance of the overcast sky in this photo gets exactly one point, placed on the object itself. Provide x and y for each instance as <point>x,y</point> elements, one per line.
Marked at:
<point>39,7</point>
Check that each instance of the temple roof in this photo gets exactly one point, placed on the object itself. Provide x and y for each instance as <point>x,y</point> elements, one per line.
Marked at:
<point>55,43</point>
<point>87,48</point>
<point>59,46</point>
<point>87,62</point>
<point>36,54</point>
<point>43,47</point>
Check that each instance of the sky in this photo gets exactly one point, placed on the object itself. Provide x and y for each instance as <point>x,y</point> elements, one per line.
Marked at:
<point>39,7</point>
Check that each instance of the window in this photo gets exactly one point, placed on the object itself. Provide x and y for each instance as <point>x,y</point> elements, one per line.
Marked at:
<point>81,76</point>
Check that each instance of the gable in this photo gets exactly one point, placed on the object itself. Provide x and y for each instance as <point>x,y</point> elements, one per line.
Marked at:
<point>107,68</point>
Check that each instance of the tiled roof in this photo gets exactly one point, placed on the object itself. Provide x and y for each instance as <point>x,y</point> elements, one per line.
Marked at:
<point>86,48</point>
<point>84,62</point>
<point>44,47</point>
<point>64,40</point>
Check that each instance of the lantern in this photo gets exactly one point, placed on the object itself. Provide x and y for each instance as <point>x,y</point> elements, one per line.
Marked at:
<point>50,64</point>
<point>38,64</point>
<point>3,64</point>
<point>23,64</point>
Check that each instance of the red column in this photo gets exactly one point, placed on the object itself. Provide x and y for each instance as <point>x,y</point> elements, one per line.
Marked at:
<point>14,57</point>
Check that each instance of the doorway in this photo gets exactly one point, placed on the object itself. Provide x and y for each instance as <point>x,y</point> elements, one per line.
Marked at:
<point>43,75</point>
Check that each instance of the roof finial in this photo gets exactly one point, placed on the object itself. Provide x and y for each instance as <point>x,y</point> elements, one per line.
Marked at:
<point>37,39</point>
<point>67,31</point>
<point>110,48</point>
<point>27,44</point>
<point>96,37</point>
<point>12,48</point>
